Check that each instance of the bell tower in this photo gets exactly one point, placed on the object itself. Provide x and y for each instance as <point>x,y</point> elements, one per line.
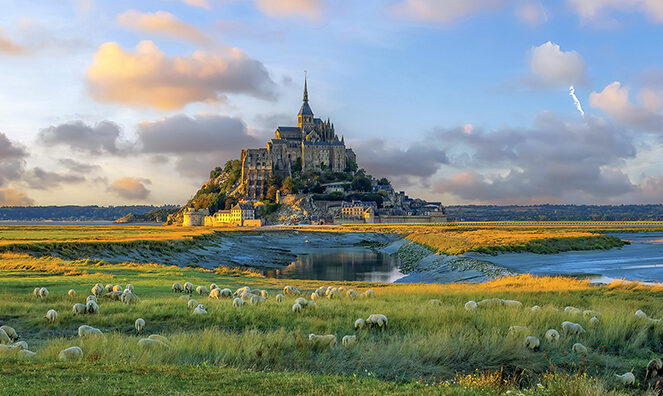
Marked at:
<point>305,116</point>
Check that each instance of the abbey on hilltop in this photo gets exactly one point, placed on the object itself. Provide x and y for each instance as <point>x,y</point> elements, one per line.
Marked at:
<point>311,145</point>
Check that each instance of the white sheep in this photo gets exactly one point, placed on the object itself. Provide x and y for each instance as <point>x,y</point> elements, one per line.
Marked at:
<point>213,286</point>
<point>158,337</point>
<point>360,324</point>
<point>51,315</point>
<point>535,308</point>
<point>85,330</point>
<point>264,294</point>
<point>640,315</point>
<point>291,291</point>
<point>532,342</point>
<point>471,305</point>
<point>139,324</point>
<point>226,293</point>
<point>202,290</point>
<point>491,302</point>
<point>244,289</point>
<point>279,298</point>
<point>91,307</point>
<point>311,304</point>
<point>108,288</point>
<point>79,309</point>
<point>19,346</point>
<point>349,340</point>
<point>330,290</point>
<point>200,310</point>
<point>91,297</point>
<point>377,320</point>
<point>192,304</point>
<point>43,292</point>
<point>589,313</point>
<point>188,287</point>
<point>333,293</point>
<point>570,328</point>
<point>115,296</point>
<point>343,289</point>
<point>352,294</point>
<point>594,321</point>
<point>118,288</point>
<point>130,287</point>
<point>149,343</point>
<point>552,335</point>
<point>255,300</point>
<point>177,288</point>
<point>512,304</point>
<point>579,349</point>
<point>296,307</point>
<point>71,354</point>
<point>215,293</point>
<point>72,293</point>
<point>314,296</point>
<point>13,335</point>
<point>301,301</point>
<point>517,330</point>
<point>4,338</point>
<point>238,302</point>
<point>328,340</point>
<point>572,310</point>
<point>128,297</point>
<point>35,292</point>
<point>626,379</point>
<point>97,290</point>
<point>368,294</point>
<point>434,301</point>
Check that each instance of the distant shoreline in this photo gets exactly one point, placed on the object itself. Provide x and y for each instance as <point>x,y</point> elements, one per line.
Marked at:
<point>58,222</point>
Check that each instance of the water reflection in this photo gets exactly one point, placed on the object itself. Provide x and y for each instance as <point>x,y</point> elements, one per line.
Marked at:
<point>355,264</point>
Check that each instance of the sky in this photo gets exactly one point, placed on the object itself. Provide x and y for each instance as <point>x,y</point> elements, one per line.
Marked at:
<point>459,101</point>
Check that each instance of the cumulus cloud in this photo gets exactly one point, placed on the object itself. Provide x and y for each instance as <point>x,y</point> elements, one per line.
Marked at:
<point>8,46</point>
<point>41,179</point>
<point>148,77</point>
<point>443,12</point>
<point>162,23</point>
<point>614,100</point>
<point>13,197</point>
<point>78,167</point>
<point>96,139</point>
<point>286,8</point>
<point>593,9</point>
<point>130,188</point>
<point>554,67</point>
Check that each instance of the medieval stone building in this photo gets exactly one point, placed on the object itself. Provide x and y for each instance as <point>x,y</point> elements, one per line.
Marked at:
<point>313,143</point>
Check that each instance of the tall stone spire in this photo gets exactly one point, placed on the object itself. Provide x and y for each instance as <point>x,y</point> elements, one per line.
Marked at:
<point>305,89</point>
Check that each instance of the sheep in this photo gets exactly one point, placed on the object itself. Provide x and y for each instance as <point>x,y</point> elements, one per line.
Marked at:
<point>200,310</point>
<point>570,328</point>
<point>213,286</point>
<point>130,287</point>
<point>91,297</point>
<point>279,298</point>
<point>330,290</point>
<point>352,294</point>
<point>342,289</point>
<point>72,293</point>
<point>13,335</point>
<point>535,308</point>
<point>314,296</point>
<point>291,291</point>
<point>147,343</point>
<point>579,349</point>
<point>71,354</point>
<point>377,320</point>
<point>552,335</point>
<point>296,307</point>
<point>653,369</point>
<point>513,304</point>
<point>246,296</point>
<point>594,321</point>
<point>192,304</point>
<point>91,307</point>
<point>532,342</point>
<point>238,302</point>
<point>572,310</point>
<point>79,309</point>
<point>517,330</point>
<point>128,297</point>
<point>255,300</point>
<point>321,290</point>
<point>215,293</point>
<point>188,287</point>
<point>85,330</point>
<point>589,313</point>
<point>470,305</point>
<point>177,288</point>
<point>25,354</point>
<point>4,338</point>
<point>264,294</point>
<point>242,290</point>
<point>158,337</point>
<point>108,288</point>
<point>640,315</point>
<point>19,346</point>
<point>117,288</point>
<point>97,290</point>
<point>35,292</point>
<point>348,340</point>
<point>301,301</point>
<point>434,301</point>
<point>328,340</point>
<point>202,290</point>
<point>311,304</point>
<point>226,293</point>
<point>368,294</point>
<point>360,324</point>
<point>626,379</point>
<point>139,324</point>
<point>43,292</point>
<point>333,293</point>
<point>115,296</point>
<point>51,315</point>
<point>490,302</point>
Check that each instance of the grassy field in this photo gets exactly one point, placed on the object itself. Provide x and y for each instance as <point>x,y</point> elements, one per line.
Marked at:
<point>427,348</point>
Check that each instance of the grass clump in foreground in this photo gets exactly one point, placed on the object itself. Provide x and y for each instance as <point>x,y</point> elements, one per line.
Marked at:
<point>426,348</point>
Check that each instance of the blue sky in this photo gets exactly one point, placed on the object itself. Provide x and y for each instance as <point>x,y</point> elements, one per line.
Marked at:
<point>462,101</point>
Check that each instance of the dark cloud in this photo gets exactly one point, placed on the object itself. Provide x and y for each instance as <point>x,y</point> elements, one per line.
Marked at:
<point>41,179</point>
<point>78,167</point>
<point>419,160</point>
<point>130,188</point>
<point>12,159</point>
<point>96,139</point>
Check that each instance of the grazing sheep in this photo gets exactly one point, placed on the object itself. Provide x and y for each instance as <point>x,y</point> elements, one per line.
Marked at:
<point>314,296</point>
<point>98,290</point>
<point>572,310</point>
<point>471,305</point>
<point>291,291</point>
<point>594,321</point>
<point>238,302</point>
<point>589,313</point>
<point>79,309</point>
<point>330,290</point>
<point>333,293</point>
<point>91,307</point>
<point>215,293</point>
<point>200,310</point>
<point>130,287</point>
<point>226,293</point>
<point>91,297</point>
<point>579,349</point>
<point>13,335</point>
<point>149,343</point>
<point>513,304</point>
<point>532,343</point>
<point>626,379</point>
<point>72,293</point>
<point>264,294</point>
<point>279,298</point>
<point>246,296</point>
<point>128,297</point>
<point>296,307</point>
<point>139,324</point>
<point>188,287</point>
<point>434,301</point>
<point>377,320</point>
<point>4,338</point>
<point>202,290</point>
<point>321,290</point>
<point>517,330</point>
<point>177,288</point>
<point>85,330</point>
<point>352,294</point>
<point>301,301</point>
<point>21,345</point>
<point>51,315</point>
<point>312,304</point>
<point>255,300</point>
<point>108,288</point>
<point>640,315</point>
<point>360,324</point>
<point>115,296</point>
<point>570,328</point>
<point>348,340</point>
<point>25,354</point>
<point>368,294</point>
<point>35,292</point>
<point>244,289</point>
<point>491,302</point>
<point>552,335</point>
<point>71,354</point>
<point>43,292</point>
<point>117,288</point>
<point>213,286</point>
<point>535,308</point>
<point>192,304</point>
<point>158,337</point>
<point>342,289</point>
<point>328,340</point>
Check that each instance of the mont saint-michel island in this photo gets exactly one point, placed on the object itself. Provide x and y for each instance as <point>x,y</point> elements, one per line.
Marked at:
<point>317,197</point>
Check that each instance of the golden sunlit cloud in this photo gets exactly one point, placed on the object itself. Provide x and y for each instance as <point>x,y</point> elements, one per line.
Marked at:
<point>197,3</point>
<point>130,188</point>
<point>284,8</point>
<point>8,46</point>
<point>12,197</point>
<point>162,23</point>
<point>148,77</point>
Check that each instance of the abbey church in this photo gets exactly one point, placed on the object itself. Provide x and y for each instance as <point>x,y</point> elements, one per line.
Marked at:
<point>313,143</point>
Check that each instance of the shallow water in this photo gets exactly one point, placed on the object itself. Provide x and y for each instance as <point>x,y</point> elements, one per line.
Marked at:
<point>641,261</point>
<point>346,264</point>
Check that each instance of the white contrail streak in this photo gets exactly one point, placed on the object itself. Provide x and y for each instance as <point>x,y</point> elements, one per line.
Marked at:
<point>572,93</point>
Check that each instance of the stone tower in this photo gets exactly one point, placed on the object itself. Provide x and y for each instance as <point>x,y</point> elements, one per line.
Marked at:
<point>305,116</point>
